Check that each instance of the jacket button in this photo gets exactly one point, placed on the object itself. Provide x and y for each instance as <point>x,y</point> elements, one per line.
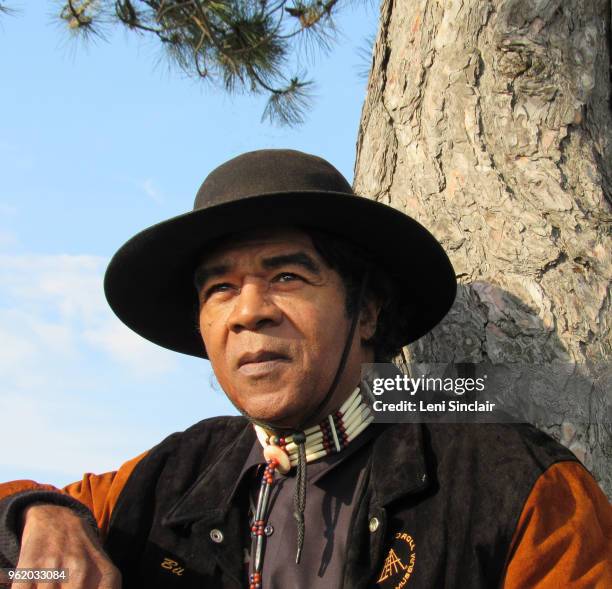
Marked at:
<point>216,536</point>
<point>374,523</point>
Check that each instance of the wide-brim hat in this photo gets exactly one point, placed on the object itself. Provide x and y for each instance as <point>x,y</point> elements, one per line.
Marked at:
<point>149,282</point>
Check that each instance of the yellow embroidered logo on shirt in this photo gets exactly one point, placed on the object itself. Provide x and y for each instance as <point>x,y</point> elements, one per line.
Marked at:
<point>400,562</point>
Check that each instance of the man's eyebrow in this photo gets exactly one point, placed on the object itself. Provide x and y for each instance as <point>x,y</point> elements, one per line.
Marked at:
<point>298,259</point>
<point>204,273</point>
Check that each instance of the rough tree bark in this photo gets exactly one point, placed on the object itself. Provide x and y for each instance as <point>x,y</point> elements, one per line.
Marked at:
<point>490,123</point>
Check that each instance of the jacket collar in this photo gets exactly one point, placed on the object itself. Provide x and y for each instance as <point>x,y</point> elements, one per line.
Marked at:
<point>398,468</point>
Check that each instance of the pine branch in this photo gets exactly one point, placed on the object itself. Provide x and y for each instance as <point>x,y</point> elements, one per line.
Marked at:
<point>310,13</point>
<point>8,10</point>
<point>364,53</point>
<point>245,45</point>
<point>83,17</point>
<point>289,105</point>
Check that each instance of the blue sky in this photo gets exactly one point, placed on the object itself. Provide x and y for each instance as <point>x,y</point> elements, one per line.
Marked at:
<point>96,143</point>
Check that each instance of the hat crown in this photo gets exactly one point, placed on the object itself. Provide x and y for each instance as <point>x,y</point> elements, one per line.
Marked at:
<point>269,171</point>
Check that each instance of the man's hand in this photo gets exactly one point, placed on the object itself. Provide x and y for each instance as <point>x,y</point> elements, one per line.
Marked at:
<point>55,537</point>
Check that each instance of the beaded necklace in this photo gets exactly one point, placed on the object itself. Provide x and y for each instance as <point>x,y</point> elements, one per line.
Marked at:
<point>330,436</point>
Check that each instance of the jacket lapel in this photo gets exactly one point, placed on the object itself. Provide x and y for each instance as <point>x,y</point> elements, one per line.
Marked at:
<point>398,463</point>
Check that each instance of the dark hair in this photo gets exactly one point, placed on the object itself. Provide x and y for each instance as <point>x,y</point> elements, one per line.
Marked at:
<point>352,262</point>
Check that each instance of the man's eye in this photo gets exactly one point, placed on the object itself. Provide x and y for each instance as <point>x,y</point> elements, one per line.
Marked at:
<point>286,277</point>
<point>222,287</point>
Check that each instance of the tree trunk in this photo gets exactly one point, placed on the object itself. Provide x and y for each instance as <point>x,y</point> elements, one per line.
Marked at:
<point>490,123</point>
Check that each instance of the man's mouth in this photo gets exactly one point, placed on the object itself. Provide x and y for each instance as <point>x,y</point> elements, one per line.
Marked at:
<point>261,362</point>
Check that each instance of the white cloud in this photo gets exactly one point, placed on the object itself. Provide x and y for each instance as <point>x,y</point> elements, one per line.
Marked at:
<point>7,239</point>
<point>14,157</point>
<point>75,381</point>
<point>52,305</point>
<point>34,349</point>
<point>152,191</point>
<point>17,349</point>
<point>69,284</point>
<point>46,434</point>
<point>7,210</point>
<point>140,356</point>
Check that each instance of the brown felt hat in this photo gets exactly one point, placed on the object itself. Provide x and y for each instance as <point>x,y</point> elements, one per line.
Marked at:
<point>149,282</point>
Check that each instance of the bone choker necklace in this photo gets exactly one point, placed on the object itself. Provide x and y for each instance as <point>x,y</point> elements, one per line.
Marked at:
<point>330,436</point>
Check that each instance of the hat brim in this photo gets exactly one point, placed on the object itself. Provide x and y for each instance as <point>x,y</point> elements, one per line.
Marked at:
<point>149,281</point>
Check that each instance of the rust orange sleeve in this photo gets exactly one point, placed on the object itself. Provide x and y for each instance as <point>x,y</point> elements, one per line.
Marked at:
<point>564,534</point>
<point>98,492</point>
<point>101,492</point>
<point>13,487</point>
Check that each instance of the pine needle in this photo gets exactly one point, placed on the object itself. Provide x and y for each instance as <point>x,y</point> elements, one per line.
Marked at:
<point>241,45</point>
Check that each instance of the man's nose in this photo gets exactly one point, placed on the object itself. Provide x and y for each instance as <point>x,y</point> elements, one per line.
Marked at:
<point>253,309</point>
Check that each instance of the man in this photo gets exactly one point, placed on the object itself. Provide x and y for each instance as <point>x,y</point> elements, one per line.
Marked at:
<point>297,284</point>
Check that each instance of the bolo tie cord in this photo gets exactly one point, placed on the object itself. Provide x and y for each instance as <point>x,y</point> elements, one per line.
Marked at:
<point>299,497</point>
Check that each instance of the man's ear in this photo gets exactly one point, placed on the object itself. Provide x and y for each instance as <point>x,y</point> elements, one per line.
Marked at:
<point>368,320</point>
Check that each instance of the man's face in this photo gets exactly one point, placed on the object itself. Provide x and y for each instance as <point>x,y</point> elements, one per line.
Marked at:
<point>274,322</point>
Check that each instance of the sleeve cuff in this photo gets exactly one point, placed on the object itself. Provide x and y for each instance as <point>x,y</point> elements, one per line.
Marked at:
<point>10,511</point>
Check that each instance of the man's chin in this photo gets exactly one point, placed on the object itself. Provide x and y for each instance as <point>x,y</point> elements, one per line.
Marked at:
<point>276,416</point>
